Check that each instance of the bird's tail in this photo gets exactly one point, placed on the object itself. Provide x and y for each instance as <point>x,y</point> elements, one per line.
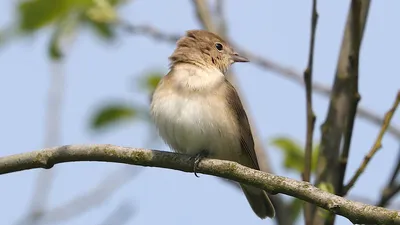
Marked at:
<point>259,201</point>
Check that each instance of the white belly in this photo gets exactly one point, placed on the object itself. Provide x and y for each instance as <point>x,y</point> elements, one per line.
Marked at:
<point>190,124</point>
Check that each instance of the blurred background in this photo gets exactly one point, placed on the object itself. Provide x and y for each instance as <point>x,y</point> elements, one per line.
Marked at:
<point>82,71</point>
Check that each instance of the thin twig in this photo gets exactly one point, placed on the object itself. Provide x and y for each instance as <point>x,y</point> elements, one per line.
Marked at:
<point>46,158</point>
<point>353,93</point>
<point>377,145</point>
<point>310,113</point>
<point>388,195</point>
<point>267,64</point>
<point>120,215</point>
<point>395,171</point>
<point>392,187</point>
<point>92,198</point>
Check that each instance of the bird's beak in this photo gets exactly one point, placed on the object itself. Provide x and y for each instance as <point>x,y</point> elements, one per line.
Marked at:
<point>238,58</point>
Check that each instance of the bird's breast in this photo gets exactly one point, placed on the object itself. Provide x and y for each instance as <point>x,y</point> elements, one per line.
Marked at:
<point>190,123</point>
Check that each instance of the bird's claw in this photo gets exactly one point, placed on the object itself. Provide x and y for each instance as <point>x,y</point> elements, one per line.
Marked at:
<point>197,158</point>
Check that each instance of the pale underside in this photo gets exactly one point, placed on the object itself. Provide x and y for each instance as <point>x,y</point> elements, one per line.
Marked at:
<point>192,115</point>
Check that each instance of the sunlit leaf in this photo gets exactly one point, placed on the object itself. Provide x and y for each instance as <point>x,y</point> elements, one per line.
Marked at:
<point>328,187</point>
<point>102,12</point>
<point>104,30</point>
<point>293,153</point>
<point>314,159</point>
<point>35,14</point>
<point>112,114</point>
<point>54,48</point>
<point>149,81</point>
<point>55,52</point>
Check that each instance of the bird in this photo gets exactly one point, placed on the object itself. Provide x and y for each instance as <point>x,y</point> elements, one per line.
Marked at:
<point>197,111</point>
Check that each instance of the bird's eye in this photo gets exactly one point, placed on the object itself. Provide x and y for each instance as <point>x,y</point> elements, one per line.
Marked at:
<point>219,46</point>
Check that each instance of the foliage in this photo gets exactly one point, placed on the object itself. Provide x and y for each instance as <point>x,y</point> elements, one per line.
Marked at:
<point>149,82</point>
<point>294,154</point>
<point>65,16</point>
<point>116,112</point>
<point>111,114</point>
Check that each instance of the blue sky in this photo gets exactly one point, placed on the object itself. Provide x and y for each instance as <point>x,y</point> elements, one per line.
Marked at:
<point>96,72</point>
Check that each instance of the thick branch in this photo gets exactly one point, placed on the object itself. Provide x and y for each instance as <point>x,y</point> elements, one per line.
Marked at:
<point>352,92</point>
<point>47,158</point>
<point>343,103</point>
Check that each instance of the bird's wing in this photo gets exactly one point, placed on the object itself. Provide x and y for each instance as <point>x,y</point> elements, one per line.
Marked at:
<point>246,137</point>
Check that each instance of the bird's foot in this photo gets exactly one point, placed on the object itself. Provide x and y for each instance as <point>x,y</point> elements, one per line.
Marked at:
<point>197,158</point>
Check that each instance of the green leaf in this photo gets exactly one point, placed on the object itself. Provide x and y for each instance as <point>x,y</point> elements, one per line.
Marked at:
<point>328,187</point>
<point>111,114</point>
<point>293,153</point>
<point>314,158</point>
<point>150,81</point>
<point>105,31</point>
<point>36,14</point>
<point>55,52</point>
<point>54,49</point>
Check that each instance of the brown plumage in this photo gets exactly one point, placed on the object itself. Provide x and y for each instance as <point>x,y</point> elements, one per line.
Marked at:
<point>196,109</point>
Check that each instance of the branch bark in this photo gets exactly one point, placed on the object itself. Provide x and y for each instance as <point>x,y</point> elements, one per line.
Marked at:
<point>356,212</point>
<point>308,73</point>
<point>377,145</point>
<point>392,187</point>
<point>343,103</point>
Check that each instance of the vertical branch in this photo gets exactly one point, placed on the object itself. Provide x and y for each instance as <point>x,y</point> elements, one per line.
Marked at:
<point>308,82</point>
<point>310,113</point>
<point>222,27</point>
<point>377,145</point>
<point>204,15</point>
<point>52,137</point>
<point>343,102</point>
<point>353,93</point>
<point>61,39</point>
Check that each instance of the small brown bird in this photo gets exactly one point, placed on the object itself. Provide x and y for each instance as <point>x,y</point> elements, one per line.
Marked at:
<point>198,112</point>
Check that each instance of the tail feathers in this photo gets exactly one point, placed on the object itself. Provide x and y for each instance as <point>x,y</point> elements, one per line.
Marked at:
<point>259,201</point>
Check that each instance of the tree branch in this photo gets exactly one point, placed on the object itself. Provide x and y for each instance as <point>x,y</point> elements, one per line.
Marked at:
<point>120,215</point>
<point>204,15</point>
<point>267,64</point>
<point>392,187</point>
<point>343,103</point>
<point>91,198</point>
<point>310,113</point>
<point>354,95</point>
<point>47,158</point>
<point>377,145</point>
<point>63,39</point>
